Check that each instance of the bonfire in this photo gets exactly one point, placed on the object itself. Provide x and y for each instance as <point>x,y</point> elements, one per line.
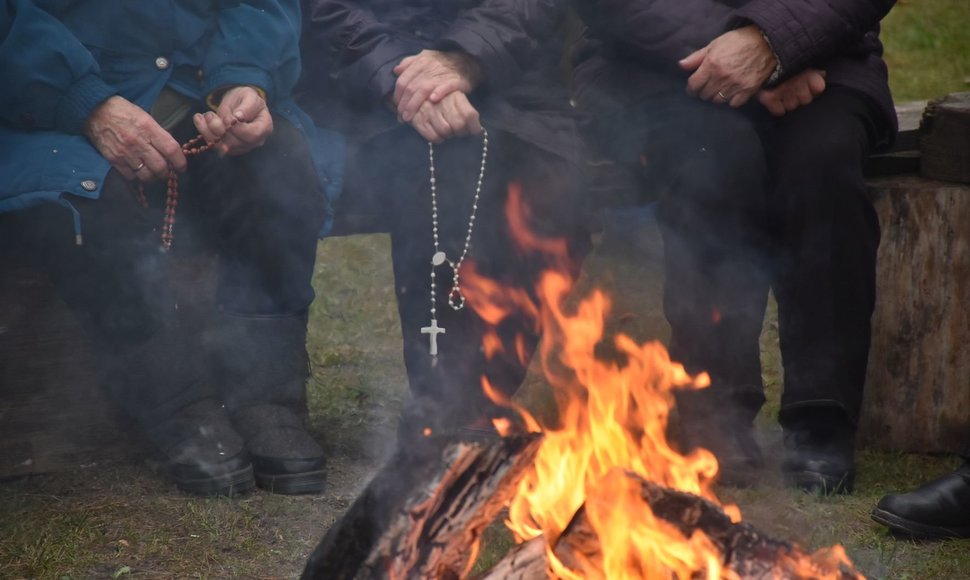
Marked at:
<point>599,494</point>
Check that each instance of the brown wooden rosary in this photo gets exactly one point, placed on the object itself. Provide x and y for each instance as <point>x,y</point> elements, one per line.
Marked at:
<point>193,146</point>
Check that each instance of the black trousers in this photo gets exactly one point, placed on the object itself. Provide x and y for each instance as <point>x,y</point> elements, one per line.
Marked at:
<point>749,202</point>
<point>261,212</point>
<point>387,189</point>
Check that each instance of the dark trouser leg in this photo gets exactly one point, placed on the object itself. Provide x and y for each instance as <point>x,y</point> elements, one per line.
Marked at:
<point>118,284</point>
<point>447,388</point>
<point>707,165</point>
<point>265,211</point>
<point>710,166</point>
<point>826,284</point>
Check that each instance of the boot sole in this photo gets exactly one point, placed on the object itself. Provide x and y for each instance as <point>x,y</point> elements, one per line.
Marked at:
<point>916,529</point>
<point>293,483</point>
<point>228,484</point>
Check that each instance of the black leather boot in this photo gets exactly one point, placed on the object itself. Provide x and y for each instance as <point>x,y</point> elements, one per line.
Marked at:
<point>264,368</point>
<point>938,509</point>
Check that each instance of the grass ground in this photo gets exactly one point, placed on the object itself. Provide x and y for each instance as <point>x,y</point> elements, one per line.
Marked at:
<point>122,520</point>
<point>928,48</point>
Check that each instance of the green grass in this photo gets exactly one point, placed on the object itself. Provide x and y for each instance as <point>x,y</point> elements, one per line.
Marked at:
<point>927,48</point>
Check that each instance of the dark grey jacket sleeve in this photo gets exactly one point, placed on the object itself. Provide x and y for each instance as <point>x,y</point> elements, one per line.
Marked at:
<point>803,32</point>
<point>659,31</point>
<point>504,36</point>
<point>346,40</point>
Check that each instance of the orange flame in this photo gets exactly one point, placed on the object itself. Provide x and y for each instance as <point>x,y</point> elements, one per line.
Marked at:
<point>612,418</point>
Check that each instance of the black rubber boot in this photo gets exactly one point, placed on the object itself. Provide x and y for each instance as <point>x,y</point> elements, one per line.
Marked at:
<point>157,384</point>
<point>264,368</point>
<point>205,455</point>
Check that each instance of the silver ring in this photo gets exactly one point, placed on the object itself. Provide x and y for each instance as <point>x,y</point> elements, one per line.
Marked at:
<point>722,95</point>
<point>140,166</point>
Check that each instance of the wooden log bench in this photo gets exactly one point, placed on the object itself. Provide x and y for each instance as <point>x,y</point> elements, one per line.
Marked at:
<point>53,416</point>
<point>918,382</point>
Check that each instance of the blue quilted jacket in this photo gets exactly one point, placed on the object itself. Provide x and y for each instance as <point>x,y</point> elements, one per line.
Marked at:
<point>60,58</point>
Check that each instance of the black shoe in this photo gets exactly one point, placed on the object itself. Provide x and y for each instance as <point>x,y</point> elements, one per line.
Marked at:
<point>938,509</point>
<point>286,459</point>
<point>204,454</point>
<point>819,451</point>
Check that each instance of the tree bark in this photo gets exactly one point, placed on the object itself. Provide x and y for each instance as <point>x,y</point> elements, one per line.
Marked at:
<point>945,142</point>
<point>917,393</point>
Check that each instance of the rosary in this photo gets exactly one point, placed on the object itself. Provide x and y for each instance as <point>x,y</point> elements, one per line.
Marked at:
<point>455,297</point>
<point>191,147</point>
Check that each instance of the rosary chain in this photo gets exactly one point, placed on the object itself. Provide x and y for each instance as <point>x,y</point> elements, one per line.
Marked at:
<point>193,146</point>
<point>455,297</point>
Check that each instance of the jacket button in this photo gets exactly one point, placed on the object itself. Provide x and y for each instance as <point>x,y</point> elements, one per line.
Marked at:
<point>89,185</point>
<point>161,63</point>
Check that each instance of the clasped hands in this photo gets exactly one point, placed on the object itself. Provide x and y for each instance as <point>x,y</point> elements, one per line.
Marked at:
<point>141,149</point>
<point>734,67</point>
<point>431,94</point>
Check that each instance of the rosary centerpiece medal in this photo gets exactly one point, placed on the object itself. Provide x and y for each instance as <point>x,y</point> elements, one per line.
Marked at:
<point>455,297</point>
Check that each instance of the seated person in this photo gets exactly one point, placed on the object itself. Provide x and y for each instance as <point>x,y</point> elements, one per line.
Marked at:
<point>446,106</point>
<point>938,509</point>
<point>98,98</point>
<point>750,120</point>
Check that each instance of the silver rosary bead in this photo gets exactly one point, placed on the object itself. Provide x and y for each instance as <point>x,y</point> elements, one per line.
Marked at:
<point>456,299</point>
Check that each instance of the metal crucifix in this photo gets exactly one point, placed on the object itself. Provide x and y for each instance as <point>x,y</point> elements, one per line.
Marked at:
<point>433,331</point>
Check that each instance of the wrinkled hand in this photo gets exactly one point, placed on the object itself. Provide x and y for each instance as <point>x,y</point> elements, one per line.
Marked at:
<point>795,92</point>
<point>452,116</point>
<point>732,68</point>
<point>432,75</point>
<point>132,141</point>
<point>253,121</point>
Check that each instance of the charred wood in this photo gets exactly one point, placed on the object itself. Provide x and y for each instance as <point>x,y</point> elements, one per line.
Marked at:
<point>424,512</point>
<point>747,552</point>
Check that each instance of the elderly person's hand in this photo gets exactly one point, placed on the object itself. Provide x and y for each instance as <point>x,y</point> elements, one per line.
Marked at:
<point>452,116</point>
<point>795,92</point>
<point>432,75</point>
<point>241,122</point>
<point>132,141</point>
<point>732,68</point>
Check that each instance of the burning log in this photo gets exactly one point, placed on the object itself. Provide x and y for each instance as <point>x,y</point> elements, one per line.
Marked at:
<point>458,489</point>
<point>526,561</point>
<point>424,512</point>
<point>747,552</point>
<point>599,495</point>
